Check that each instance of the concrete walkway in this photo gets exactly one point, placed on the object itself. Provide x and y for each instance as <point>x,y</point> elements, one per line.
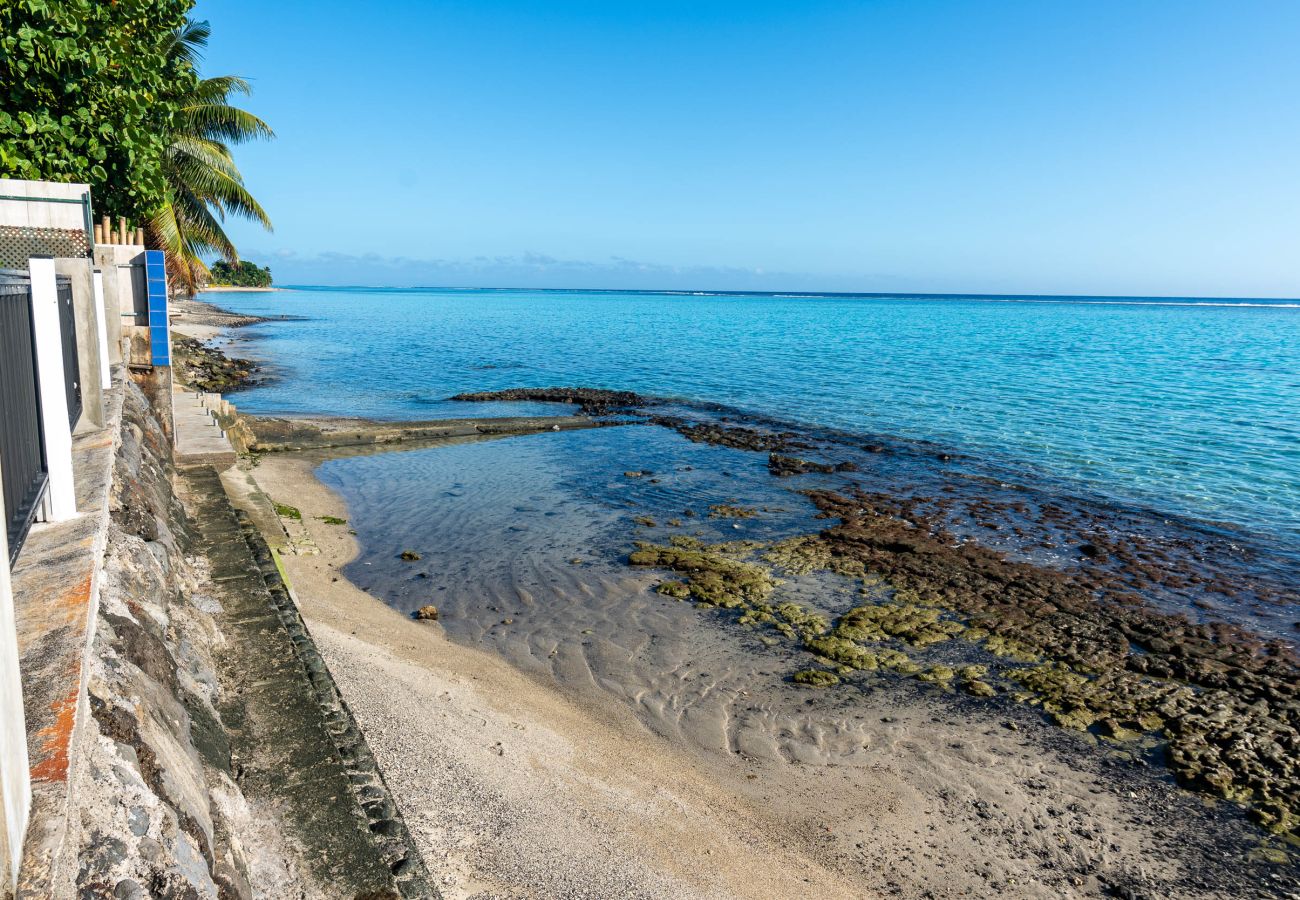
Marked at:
<point>199,438</point>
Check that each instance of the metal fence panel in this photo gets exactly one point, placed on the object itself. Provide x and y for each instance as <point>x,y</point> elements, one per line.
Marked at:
<point>71,365</point>
<point>22,445</point>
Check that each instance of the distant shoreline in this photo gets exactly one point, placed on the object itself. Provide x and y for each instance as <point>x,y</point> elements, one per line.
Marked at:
<point>230,288</point>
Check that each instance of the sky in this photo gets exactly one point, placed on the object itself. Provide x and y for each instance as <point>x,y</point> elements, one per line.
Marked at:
<point>1119,148</point>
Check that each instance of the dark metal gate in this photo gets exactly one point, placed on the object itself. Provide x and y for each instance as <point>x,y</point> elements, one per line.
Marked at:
<point>71,365</point>
<point>22,445</point>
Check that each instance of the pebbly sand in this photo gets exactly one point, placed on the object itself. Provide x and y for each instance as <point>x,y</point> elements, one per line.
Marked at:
<point>514,785</point>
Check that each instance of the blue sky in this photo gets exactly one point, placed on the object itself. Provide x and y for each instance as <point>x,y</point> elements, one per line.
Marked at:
<point>997,147</point>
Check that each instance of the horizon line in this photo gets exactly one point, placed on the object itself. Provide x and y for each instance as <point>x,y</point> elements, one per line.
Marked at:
<point>795,293</point>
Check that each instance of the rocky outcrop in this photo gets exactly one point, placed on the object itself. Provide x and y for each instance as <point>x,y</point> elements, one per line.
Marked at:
<point>590,401</point>
<point>206,368</point>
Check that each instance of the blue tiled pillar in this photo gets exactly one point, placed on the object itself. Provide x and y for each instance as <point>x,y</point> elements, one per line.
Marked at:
<point>155,272</point>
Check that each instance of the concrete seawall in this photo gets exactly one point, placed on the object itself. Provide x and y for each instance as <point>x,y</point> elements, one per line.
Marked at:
<point>217,760</point>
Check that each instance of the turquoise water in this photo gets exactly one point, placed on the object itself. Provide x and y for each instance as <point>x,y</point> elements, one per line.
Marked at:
<point>1192,407</point>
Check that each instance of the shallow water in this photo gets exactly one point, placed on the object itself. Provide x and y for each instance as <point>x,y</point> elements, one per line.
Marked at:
<point>1187,407</point>
<point>524,541</point>
<point>523,544</point>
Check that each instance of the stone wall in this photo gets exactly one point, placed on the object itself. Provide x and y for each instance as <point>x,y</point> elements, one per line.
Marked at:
<point>160,811</point>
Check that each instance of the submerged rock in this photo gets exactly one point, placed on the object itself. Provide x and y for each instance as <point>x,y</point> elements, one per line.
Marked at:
<point>728,511</point>
<point>427,613</point>
<point>592,401</point>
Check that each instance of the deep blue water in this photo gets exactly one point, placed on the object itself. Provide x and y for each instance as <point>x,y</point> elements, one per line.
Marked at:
<point>1190,407</point>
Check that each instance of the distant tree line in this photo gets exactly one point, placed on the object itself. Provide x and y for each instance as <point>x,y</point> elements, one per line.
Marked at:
<point>241,274</point>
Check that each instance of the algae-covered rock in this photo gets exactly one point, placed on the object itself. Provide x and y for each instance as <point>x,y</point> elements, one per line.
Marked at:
<point>937,675</point>
<point>427,613</point>
<point>410,555</point>
<point>803,620</point>
<point>713,579</point>
<point>679,590</point>
<point>819,678</point>
<point>844,652</point>
<point>920,626</point>
<point>1011,649</point>
<point>647,521</point>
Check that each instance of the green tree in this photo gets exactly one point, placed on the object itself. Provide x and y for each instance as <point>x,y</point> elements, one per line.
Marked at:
<point>88,93</point>
<point>241,274</point>
<point>202,183</point>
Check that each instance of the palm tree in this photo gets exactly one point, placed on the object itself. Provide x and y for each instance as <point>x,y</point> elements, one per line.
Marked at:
<point>203,183</point>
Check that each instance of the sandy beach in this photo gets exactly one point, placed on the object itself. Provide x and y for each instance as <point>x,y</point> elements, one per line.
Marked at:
<point>515,788</point>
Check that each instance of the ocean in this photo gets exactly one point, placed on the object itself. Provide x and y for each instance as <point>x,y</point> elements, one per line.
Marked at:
<point>1186,407</point>
<point>1088,506</point>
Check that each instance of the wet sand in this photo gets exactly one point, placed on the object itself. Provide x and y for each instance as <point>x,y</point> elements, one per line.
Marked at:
<point>519,783</point>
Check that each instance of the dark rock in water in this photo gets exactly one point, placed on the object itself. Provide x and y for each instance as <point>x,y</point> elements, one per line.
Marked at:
<point>410,555</point>
<point>591,401</point>
<point>874,448</point>
<point>1092,551</point>
<point>785,466</point>
<point>734,436</point>
<point>427,613</point>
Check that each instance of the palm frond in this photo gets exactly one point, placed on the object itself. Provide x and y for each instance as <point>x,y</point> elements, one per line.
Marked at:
<point>187,42</point>
<point>203,183</point>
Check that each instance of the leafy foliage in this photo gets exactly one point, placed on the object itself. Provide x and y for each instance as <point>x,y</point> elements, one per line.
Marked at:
<point>242,274</point>
<point>89,92</point>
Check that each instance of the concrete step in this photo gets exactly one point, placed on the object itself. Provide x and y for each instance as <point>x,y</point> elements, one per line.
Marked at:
<point>199,438</point>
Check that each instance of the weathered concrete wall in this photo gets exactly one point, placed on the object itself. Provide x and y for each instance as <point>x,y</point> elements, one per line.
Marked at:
<point>15,782</point>
<point>160,811</point>
<point>219,761</point>
<point>123,268</point>
<point>42,218</point>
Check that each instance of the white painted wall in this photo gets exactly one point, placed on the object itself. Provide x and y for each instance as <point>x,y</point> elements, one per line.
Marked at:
<point>101,309</point>
<point>15,777</point>
<point>42,215</point>
<point>61,498</point>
